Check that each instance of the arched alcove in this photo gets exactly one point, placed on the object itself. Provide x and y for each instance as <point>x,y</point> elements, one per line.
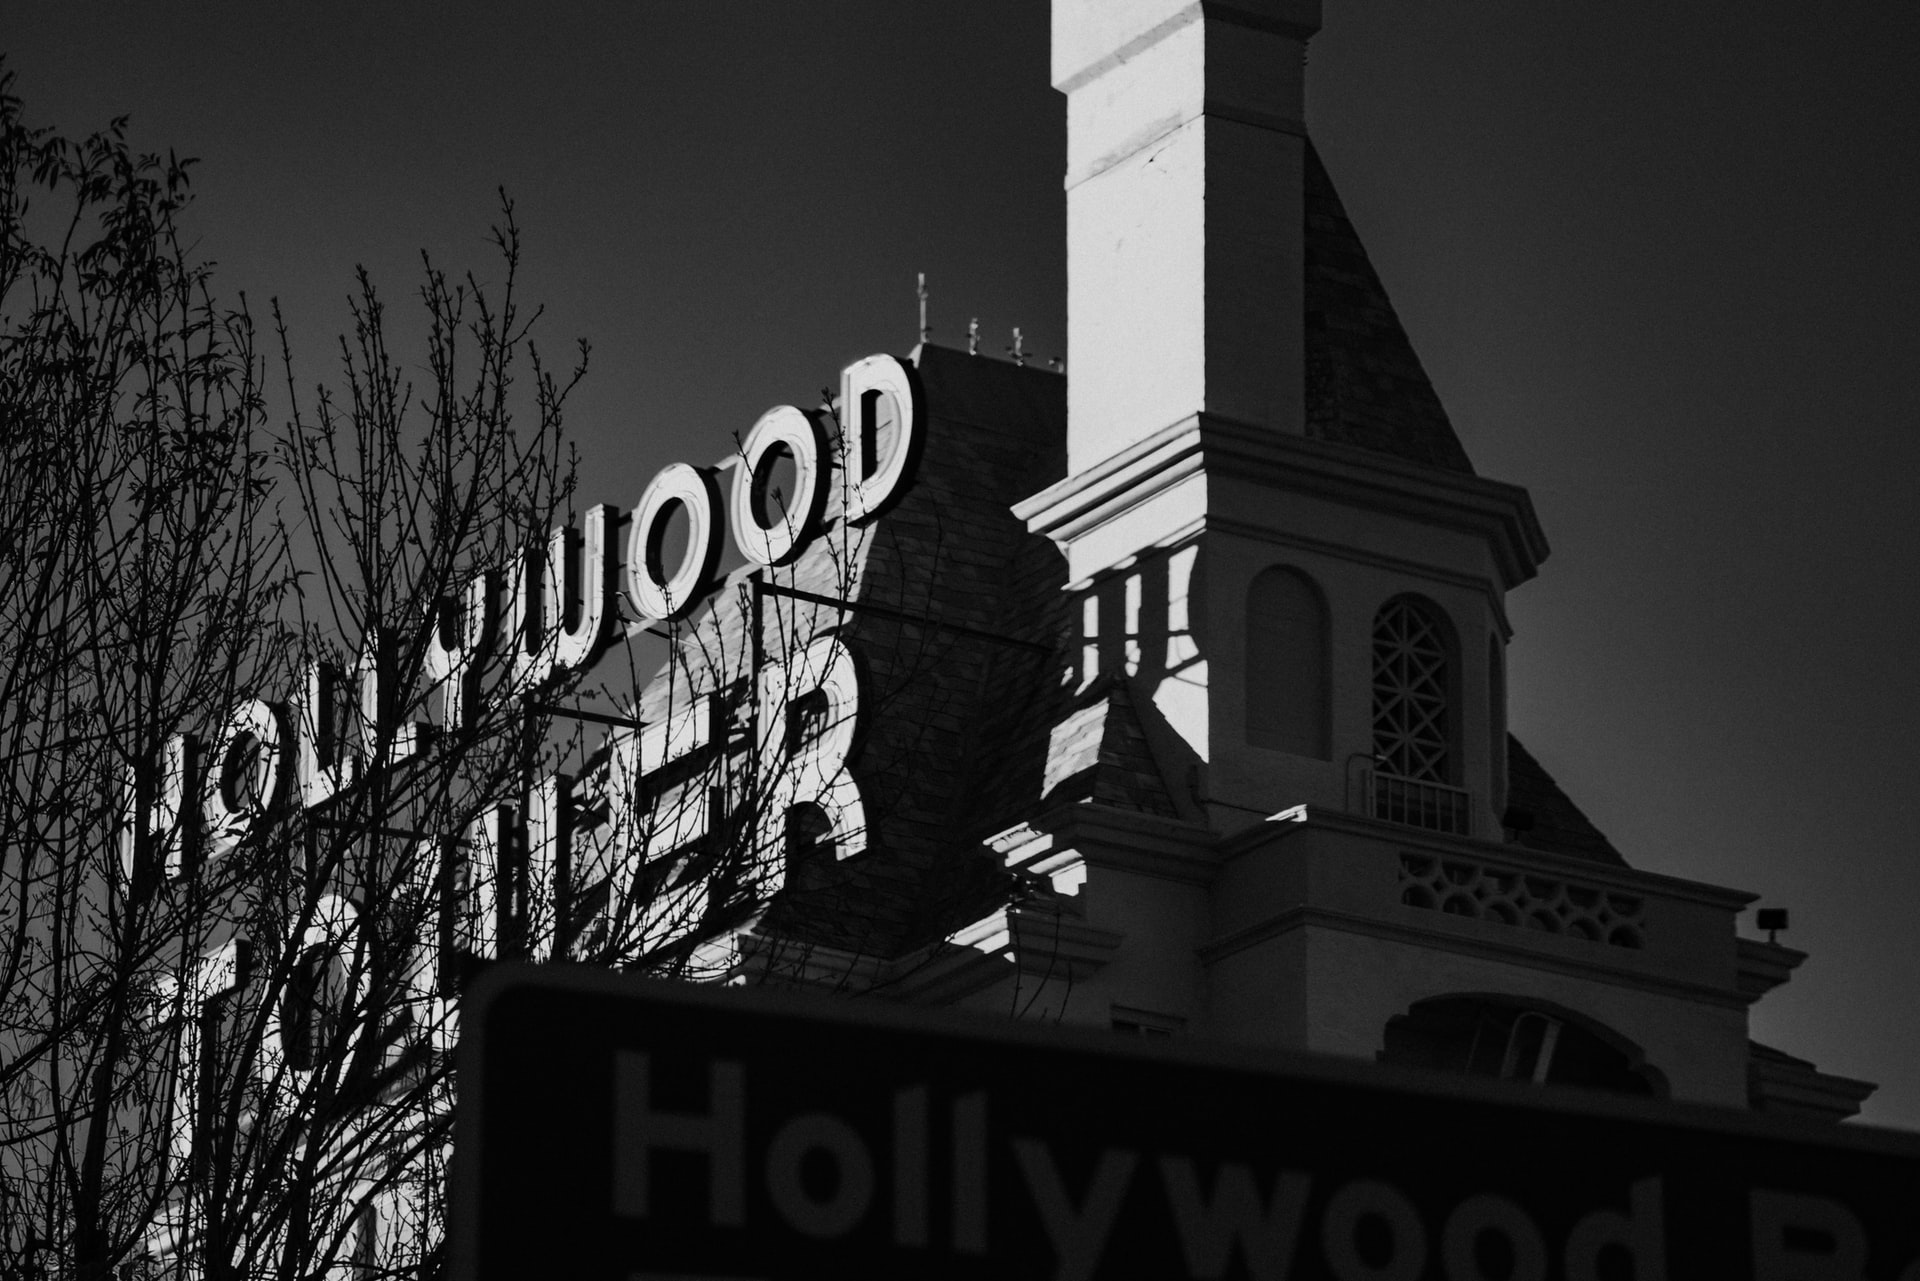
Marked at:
<point>1496,1036</point>
<point>1287,664</point>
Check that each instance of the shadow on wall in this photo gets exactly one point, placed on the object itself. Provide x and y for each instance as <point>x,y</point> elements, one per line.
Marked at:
<point>1143,618</point>
<point>1142,682</point>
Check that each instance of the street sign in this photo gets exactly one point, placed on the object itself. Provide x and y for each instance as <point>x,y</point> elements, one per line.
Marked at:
<point>612,1127</point>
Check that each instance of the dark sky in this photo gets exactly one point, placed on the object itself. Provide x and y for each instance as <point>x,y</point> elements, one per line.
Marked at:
<point>1659,260</point>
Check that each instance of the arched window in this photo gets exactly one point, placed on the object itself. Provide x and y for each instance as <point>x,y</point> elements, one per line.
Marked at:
<point>1503,1037</point>
<point>1414,729</point>
<point>1287,674</point>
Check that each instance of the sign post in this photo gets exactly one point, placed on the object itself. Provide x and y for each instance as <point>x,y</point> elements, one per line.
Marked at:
<point>611,1127</point>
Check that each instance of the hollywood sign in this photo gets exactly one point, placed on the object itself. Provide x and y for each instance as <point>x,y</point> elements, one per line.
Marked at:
<point>563,606</point>
<point>614,1126</point>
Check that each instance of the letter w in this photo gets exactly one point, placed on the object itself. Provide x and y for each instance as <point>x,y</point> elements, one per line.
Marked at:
<point>1208,1228</point>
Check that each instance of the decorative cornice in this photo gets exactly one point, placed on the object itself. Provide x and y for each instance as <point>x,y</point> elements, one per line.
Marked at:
<point>1062,842</point>
<point>1512,858</point>
<point>1457,940</point>
<point>1071,506</point>
<point>1793,1088</point>
<point>1222,12</point>
<point>1362,556</point>
<point>1764,966</point>
<point>947,974</point>
<point>1045,944</point>
<point>1501,514</point>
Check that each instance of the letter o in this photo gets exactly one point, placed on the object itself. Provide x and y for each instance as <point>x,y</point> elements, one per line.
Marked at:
<point>1478,1215</point>
<point>334,933</point>
<point>853,1193</point>
<point>654,592</point>
<point>875,484</point>
<point>1341,1223</point>
<point>229,812</point>
<point>780,542</point>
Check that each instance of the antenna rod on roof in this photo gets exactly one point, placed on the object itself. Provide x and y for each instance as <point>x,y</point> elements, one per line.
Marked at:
<point>920,291</point>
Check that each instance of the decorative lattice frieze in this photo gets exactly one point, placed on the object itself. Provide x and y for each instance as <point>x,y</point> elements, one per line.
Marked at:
<point>1462,887</point>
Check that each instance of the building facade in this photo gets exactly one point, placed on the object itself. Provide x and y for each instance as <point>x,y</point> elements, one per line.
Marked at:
<point>1180,681</point>
<point>1166,697</point>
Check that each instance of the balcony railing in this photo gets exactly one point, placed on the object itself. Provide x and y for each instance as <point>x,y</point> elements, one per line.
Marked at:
<point>1433,807</point>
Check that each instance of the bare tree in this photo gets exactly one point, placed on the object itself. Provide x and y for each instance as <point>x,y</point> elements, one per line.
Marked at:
<point>302,726</point>
<point>138,584</point>
<point>211,823</point>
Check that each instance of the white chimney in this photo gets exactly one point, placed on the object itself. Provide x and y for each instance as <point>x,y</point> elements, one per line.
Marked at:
<point>1185,146</point>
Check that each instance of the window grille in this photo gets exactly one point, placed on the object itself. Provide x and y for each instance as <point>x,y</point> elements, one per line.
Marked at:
<point>1412,693</point>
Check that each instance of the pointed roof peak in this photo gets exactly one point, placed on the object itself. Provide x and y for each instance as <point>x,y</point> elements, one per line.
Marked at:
<point>1365,385</point>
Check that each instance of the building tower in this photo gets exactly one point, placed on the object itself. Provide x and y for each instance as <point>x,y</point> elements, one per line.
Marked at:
<point>1208,734</point>
<point>1287,587</point>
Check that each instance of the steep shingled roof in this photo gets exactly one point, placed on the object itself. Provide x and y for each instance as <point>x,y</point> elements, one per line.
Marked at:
<point>957,625</point>
<point>1098,752</point>
<point>1553,822</point>
<point>1365,384</point>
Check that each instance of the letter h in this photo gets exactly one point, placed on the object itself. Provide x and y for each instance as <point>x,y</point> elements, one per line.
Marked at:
<point>639,1132</point>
